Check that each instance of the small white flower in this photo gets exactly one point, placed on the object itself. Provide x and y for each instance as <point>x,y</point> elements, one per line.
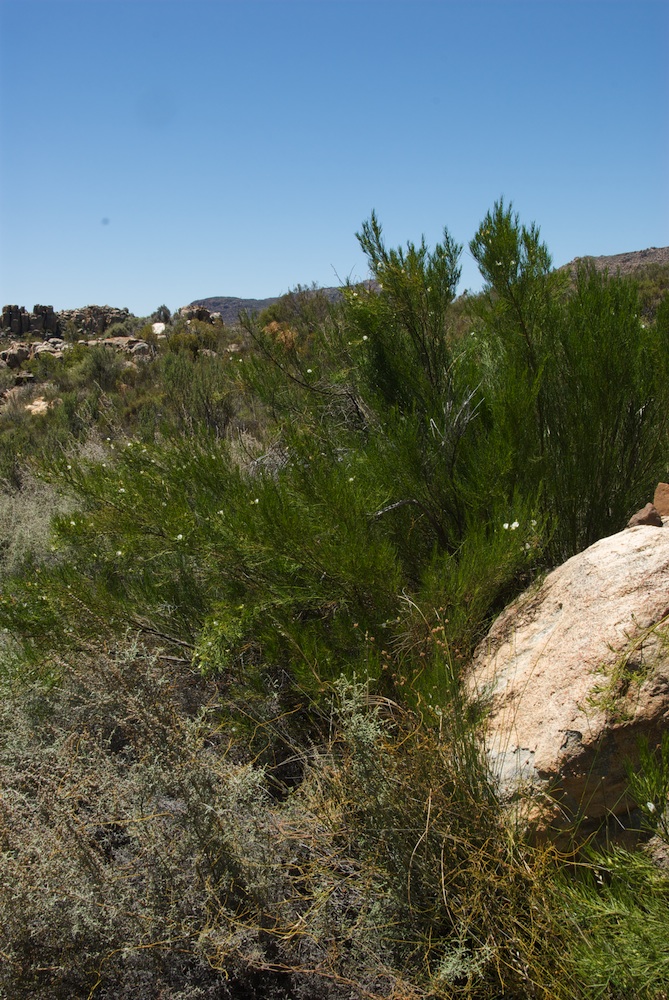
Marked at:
<point>514,525</point>
<point>119,553</point>
<point>179,538</point>
<point>73,523</point>
<point>308,371</point>
<point>365,337</point>
<point>256,500</point>
<point>506,525</point>
<point>121,490</point>
<point>221,512</point>
<point>69,466</point>
<point>650,806</point>
<point>533,523</point>
<point>350,479</point>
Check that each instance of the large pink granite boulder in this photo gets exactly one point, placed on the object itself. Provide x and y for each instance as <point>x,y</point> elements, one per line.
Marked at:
<point>574,672</point>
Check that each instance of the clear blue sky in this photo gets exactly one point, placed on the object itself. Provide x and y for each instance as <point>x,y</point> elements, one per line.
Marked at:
<point>155,152</point>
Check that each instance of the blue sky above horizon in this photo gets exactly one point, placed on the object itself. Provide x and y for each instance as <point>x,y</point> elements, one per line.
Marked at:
<point>161,151</point>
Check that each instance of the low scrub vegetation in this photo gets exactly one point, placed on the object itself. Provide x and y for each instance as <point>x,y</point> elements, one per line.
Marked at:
<point>236,756</point>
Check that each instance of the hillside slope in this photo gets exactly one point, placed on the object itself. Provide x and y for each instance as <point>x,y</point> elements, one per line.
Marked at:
<point>626,263</point>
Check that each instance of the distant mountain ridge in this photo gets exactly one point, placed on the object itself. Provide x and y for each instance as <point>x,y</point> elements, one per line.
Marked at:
<point>622,263</point>
<point>230,307</point>
<point>625,263</point>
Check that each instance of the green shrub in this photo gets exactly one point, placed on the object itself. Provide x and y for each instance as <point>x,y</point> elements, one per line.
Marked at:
<point>26,515</point>
<point>399,453</point>
<point>653,285</point>
<point>198,392</point>
<point>617,905</point>
<point>161,315</point>
<point>184,342</point>
<point>304,311</point>
<point>124,328</point>
<point>574,385</point>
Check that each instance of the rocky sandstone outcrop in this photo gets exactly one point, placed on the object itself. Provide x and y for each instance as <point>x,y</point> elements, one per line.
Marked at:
<point>647,515</point>
<point>573,673</point>
<point>17,353</point>
<point>91,321</point>
<point>40,405</point>
<point>197,312</point>
<point>128,345</point>
<point>16,322</point>
<point>661,499</point>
